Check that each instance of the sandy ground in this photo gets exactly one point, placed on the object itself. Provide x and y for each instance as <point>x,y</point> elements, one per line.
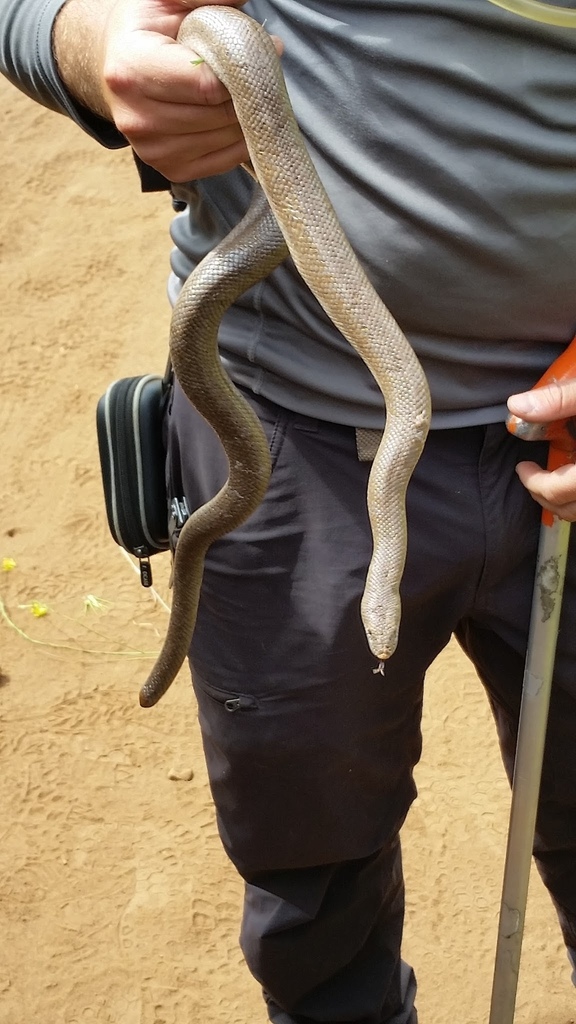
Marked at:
<point>116,902</point>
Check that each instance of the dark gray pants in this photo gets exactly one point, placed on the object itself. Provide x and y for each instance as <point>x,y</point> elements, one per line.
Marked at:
<point>310,754</point>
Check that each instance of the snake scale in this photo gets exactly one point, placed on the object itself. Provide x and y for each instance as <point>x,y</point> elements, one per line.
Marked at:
<point>290,213</point>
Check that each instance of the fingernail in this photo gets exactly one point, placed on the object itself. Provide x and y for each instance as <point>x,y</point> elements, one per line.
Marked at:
<point>522,405</point>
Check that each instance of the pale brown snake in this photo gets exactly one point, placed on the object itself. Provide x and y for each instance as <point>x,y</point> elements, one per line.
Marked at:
<point>243,57</point>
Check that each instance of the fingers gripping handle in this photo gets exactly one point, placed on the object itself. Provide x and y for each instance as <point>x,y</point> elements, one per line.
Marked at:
<point>560,433</point>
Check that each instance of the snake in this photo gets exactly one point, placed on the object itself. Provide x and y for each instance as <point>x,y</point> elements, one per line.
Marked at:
<point>290,215</point>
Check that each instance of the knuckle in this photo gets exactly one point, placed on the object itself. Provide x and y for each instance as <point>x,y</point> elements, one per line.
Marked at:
<point>209,90</point>
<point>163,161</point>
<point>550,492</point>
<point>130,125</point>
<point>229,112</point>
<point>558,492</point>
<point>118,77</point>
<point>560,399</point>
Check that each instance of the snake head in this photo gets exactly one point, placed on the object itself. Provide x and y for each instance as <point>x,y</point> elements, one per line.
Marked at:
<point>381,621</point>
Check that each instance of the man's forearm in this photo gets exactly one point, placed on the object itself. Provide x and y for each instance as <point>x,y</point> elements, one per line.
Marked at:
<point>78,32</point>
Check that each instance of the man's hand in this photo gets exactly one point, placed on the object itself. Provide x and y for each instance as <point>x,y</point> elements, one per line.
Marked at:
<point>120,58</point>
<point>555,491</point>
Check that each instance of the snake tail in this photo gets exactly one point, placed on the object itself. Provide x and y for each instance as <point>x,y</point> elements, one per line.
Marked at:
<point>252,250</point>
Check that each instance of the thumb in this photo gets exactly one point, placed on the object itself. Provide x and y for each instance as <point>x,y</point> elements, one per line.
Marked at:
<point>543,405</point>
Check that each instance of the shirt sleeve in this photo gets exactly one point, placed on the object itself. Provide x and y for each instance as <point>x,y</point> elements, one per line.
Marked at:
<point>27,60</point>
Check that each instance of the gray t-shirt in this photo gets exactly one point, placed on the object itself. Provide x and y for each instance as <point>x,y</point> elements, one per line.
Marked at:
<point>445,134</point>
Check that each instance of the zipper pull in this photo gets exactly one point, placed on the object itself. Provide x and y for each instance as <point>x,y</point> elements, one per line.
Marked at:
<point>145,567</point>
<point>241,703</point>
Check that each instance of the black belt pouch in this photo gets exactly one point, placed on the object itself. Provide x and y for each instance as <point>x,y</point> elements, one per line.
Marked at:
<point>129,422</point>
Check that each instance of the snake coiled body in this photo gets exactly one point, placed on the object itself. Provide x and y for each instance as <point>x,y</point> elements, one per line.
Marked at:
<point>243,57</point>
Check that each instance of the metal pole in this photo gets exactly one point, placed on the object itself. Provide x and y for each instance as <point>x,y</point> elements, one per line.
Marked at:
<point>546,607</point>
